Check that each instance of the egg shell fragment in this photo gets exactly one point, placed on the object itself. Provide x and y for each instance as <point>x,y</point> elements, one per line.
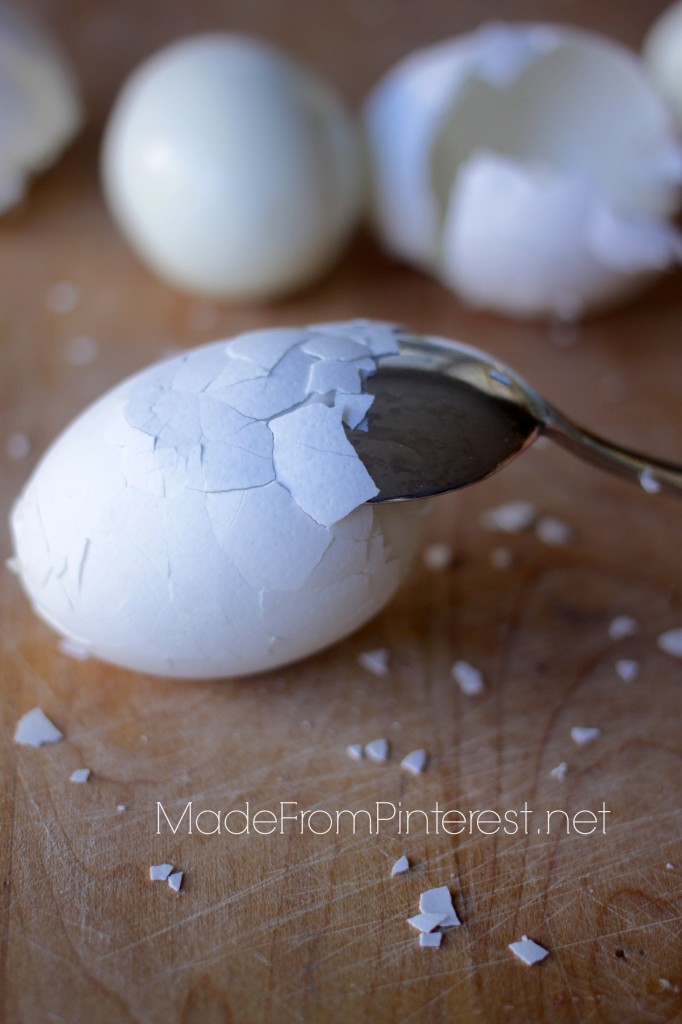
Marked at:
<point>41,109</point>
<point>233,171</point>
<point>671,642</point>
<point>622,626</point>
<point>469,678</point>
<point>401,865</point>
<point>627,669</point>
<point>522,194</point>
<point>426,922</point>
<point>581,734</point>
<point>34,729</point>
<point>528,951</point>
<point>160,872</point>
<point>414,762</point>
<point>439,901</point>
<point>376,662</point>
<point>175,880</point>
<point>377,750</point>
<point>181,526</point>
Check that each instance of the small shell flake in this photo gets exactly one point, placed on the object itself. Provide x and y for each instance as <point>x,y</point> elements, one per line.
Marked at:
<point>160,872</point>
<point>439,901</point>
<point>527,951</point>
<point>175,880</point>
<point>377,750</point>
<point>648,482</point>
<point>581,734</point>
<point>438,557</point>
<point>375,662</point>
<point>511,517</point>
<point>627,669</point>
<point>468,678</point>
<point>671,642</point>
<point>34,729</point>
<point>401,865</point>
<point>622,626</point>
<point>554,532</point>
<point>414,762</point>
<point>426,922</point>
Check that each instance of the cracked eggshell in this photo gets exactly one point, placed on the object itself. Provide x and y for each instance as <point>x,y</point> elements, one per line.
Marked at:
<point>662,54</point>
<point>41,110</point>
<point>232,170</point>
<point>531,168</point>
<point>208,516</point>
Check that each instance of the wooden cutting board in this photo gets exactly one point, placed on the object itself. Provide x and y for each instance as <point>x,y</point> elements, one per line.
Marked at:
<point>304,927</point>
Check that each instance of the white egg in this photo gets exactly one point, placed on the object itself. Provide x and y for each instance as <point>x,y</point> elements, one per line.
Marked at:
<point>531,168</point>
<point>208,516</point>
<point>662,54</point>
<point>40,107</point>
<point>233,171</point>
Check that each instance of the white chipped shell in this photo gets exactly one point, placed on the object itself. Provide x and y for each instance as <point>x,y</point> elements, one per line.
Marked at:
<point>520,194</point>
<point>41,109</point>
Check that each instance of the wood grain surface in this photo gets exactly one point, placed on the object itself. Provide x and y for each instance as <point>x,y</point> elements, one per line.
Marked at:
<point>307,928</point>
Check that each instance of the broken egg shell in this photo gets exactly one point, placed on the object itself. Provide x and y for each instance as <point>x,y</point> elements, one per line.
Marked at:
<point>520,193</point>
<point>41,110</point>
<point>193,523</point>
<point>662,54</point>
<point>528,951</point>
<point>233,171</point>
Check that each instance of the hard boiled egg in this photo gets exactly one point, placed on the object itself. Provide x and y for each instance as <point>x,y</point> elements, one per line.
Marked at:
<point>208,516</point>
<point>232,170</point>
<point>531,168</point>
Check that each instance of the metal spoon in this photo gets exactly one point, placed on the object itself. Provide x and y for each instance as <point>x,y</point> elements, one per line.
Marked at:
<point>446,415</point>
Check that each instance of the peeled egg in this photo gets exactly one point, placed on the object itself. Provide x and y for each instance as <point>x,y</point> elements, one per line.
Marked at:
<point>208,516</point>
<point>233,171</point>
<point>40,107</point>
<point>531,168</point>
<point>662,55</point>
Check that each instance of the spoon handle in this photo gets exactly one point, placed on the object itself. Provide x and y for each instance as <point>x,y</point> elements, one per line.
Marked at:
<point>653,475</point>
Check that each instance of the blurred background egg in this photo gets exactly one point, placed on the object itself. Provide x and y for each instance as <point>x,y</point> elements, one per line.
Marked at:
<point>39,104</point>
<point>233,171</point>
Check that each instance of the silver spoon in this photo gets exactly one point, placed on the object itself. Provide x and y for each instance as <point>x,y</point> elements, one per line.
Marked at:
<point>446,415</point>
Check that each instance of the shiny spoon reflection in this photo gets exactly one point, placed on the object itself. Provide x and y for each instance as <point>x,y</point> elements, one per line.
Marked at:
<point>446,415</point>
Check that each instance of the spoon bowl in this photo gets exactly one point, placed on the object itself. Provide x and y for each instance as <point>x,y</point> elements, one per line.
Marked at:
<point>446,415</point>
